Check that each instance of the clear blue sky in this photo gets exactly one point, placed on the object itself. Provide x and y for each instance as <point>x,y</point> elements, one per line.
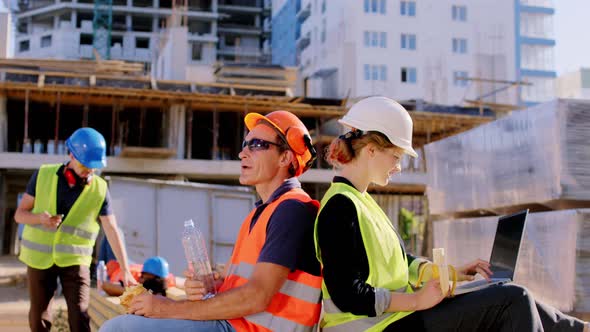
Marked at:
<point>572,34</point>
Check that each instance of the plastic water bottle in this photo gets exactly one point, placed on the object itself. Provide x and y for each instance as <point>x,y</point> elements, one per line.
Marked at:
<point>197,258</point>
<point>101,276</point>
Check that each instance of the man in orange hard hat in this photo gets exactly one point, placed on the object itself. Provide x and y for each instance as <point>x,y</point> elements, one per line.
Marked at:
<point>272,281</point>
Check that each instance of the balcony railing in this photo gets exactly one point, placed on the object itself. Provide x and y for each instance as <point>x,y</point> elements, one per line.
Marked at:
<point>304,41</point>
<point>538,3</point>
<point>303,12</point>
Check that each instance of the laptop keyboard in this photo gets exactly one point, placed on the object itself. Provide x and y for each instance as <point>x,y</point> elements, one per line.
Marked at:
<point>473,284</point>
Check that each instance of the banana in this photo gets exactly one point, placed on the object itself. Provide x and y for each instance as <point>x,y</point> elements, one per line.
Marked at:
<point>436,274</point>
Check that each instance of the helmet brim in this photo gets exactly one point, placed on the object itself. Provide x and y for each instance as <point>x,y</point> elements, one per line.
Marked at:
<point>95,164</point>
<point>252,119</point>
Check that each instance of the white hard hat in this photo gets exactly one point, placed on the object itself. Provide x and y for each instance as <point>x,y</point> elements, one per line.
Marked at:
<point>385,116</point>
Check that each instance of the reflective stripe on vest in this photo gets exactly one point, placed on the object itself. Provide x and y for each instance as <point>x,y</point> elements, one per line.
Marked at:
<point>330,306</point>
<point>276,323</point>
<point>69,230</point>
<point>388,266</point>
<point>68,249</point>
<point>73,241</point>
<point>290,287</point>
<point>296,307</point>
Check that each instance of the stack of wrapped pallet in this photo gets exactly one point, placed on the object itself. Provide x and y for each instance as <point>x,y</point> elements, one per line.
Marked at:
<point>539,159</point>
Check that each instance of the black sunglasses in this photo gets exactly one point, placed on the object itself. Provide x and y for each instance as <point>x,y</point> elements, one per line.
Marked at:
<point>257,144</point>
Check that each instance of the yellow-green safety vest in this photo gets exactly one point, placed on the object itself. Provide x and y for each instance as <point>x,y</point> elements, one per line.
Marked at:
<point>72,242</point>
<point>388,265</point>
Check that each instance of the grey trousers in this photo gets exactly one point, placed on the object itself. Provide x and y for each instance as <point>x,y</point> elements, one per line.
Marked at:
<point>505,308</point>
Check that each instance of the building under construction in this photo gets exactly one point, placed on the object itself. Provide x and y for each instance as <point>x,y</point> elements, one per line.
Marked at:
<point>131,29</point>
<point>176,129</point>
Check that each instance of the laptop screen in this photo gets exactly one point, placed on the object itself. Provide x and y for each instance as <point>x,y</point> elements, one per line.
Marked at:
<point>507,244</point>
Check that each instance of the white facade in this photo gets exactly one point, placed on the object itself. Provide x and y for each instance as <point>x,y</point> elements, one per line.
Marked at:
<point>5,32</point>
<point>174,50</point>
<point>574,85</point>
<point>356,53</point>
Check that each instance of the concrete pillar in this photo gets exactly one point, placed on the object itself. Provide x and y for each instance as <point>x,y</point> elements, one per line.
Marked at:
<point>73,18</point>
<point>3,124</point>
<point>214,28</point>
<point>3,207</point>
<point>155,29</point>
<point>176,131</point>
<point>5,34</point>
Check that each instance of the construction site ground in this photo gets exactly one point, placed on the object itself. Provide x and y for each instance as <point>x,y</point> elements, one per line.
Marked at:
<point>14,300</point>
<point>14,296</point>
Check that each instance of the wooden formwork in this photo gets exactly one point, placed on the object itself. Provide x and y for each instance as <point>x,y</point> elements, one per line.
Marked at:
<point>103,308</point>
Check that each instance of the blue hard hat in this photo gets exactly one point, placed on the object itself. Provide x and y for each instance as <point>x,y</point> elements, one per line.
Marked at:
<point>88,147</point>
<point>157,266</point>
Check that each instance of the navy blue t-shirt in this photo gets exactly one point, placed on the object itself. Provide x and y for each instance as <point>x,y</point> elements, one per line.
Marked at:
<point>66,196</point>
<point>289,232</point>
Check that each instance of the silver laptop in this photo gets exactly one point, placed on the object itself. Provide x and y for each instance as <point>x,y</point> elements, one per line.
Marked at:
<point>507,244</point>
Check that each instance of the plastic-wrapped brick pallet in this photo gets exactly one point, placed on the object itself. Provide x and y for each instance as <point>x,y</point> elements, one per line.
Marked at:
<point>539,155</point>
<point>554,262</point>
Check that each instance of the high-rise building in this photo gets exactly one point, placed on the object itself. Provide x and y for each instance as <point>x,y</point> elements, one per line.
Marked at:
<point>535,49</point>
<point>227,30</point>
<point>244,30</point>
<point>442,51</point>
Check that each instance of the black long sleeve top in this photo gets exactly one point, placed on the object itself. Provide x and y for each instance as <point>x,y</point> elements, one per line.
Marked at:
<point>345,262</point>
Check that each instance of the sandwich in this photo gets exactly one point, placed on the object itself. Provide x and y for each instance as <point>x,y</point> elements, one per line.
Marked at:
<point>130,293</point>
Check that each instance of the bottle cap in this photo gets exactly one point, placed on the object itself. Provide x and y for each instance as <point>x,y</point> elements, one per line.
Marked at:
<point>189,223</point>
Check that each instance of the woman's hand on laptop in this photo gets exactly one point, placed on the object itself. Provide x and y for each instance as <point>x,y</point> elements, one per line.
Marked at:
<point>468,271</point>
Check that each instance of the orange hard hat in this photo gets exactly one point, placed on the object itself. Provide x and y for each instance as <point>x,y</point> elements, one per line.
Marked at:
<point>292,131</point>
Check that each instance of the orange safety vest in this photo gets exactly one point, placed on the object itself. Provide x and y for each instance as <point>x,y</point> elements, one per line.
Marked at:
<point>297,305</point>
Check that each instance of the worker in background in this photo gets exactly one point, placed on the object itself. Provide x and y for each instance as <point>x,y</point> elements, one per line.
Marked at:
<point>272,281</point>
<point>367,271</point>
<point>154,274</point>
<point>60,210</point>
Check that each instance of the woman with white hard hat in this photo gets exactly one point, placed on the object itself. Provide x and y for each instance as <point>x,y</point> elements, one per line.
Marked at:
<point>369,276</point>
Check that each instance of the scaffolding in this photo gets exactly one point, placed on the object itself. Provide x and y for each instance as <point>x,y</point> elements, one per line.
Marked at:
<point>102,25</point>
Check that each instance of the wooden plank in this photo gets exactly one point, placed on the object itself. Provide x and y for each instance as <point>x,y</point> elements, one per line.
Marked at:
<point>244,84</point>
<point>253,81</point>
<point>103,308</point>
<point>83,66</point>
<point>438,125</point>
<point>105,96</point>
<point>146,152</point>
